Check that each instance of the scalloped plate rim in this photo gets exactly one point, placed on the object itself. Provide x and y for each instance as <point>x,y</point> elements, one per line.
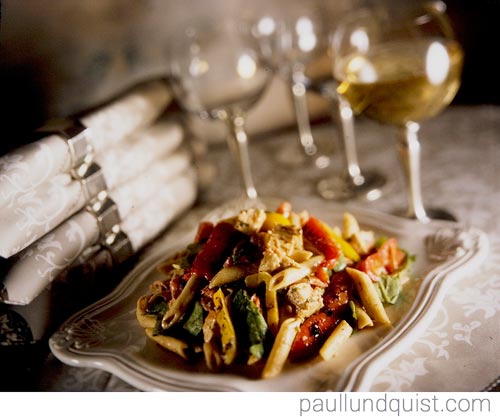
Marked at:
<point>359,374</point>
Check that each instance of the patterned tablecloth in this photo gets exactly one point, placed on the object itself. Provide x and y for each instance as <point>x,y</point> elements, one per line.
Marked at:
<point>461,160</point>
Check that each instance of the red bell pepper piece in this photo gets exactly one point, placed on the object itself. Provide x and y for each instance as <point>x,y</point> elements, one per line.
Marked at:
<point>316,328</point>
<point>215,251</point>
<point>339,292</point>
<point>204,231</point>
<point>316,232</point>
<point>312,334</point>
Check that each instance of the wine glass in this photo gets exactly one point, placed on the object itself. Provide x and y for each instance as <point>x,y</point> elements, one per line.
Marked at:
<point>217,72</point>
<point>303,40</point>
<point>291,39</point>
<point>400,64</point>
<point>353,182</point>
<point>316,75</point>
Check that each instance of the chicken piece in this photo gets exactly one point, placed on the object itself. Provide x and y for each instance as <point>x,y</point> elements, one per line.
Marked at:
<point>363,241</point>
<point>250,221</point>
<point>278,245</point>
<point>350,226</point>
<point>305,298</point>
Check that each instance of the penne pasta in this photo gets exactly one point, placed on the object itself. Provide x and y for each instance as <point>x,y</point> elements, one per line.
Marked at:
<point>369,296</point>
<point>335,341</point>
<point>144,319</point>
<point>264,288</point>
<point>293,274</point>
<point>177,310</point>
<point>301,255</point>
<point>362,318</point>
<point>170,343</point>
<point>226,276</point>
<point>254,280</point>
<point>213,358</point>
<point>363,242</point>
<point>281,347</point>
<point>350,226</point>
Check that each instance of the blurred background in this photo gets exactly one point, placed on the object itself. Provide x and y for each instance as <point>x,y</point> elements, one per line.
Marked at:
<point>62,57</point>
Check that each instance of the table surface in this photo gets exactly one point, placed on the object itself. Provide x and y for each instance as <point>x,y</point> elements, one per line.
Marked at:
<point>460,164</point>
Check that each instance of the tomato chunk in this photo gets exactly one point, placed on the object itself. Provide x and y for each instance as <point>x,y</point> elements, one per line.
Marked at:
<point>386,260</point>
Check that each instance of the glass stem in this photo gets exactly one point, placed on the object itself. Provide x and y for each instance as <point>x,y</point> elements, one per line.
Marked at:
<point>409,150</point>
<point>238,144</point>
<point>345,118</point>
<point>299,96</point>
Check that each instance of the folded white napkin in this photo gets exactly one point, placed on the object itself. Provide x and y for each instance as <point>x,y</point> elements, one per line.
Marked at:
<point>122,163</point>
<point>43,261</point>
<point>34,213</point>
<point>151,183</point>
<point>156,213</point>
<point>30,214</point>
<point>110,124</point>
<point>27,167</point>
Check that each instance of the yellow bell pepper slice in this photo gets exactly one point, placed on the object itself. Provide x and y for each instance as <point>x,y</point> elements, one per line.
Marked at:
<point>273,219</point>
<point>228,335</point>
<point>271,298</point>
<point>345,246</point>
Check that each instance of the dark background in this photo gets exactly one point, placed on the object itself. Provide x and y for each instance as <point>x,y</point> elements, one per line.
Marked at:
<point>58,58</point>
<point>477,27</point>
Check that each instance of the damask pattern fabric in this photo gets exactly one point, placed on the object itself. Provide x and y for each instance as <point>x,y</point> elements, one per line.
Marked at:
<point>459,349</point>
<point>146,172</point>
<point>39,172</point>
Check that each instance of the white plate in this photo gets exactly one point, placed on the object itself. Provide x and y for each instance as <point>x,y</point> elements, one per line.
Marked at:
<point>106,335</point>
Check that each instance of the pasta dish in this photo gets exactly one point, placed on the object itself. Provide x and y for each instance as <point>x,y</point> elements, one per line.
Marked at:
<point>270,288</point>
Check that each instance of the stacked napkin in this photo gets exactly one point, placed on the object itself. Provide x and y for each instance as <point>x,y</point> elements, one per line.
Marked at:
<point>110,181</point>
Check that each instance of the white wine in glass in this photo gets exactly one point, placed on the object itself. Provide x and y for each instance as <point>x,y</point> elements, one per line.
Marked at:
<point>407,87</point>
<point>353,182</point>
<point>400,65</point>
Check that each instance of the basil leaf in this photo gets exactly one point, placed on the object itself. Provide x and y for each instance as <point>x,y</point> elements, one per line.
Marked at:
<point>158,307</point>
<point>191,251</point>
<point>389,288</point>
<point>252,323</point>
<point>194,323</point>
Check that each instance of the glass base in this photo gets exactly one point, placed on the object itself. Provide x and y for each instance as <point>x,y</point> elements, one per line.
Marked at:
<point>342,188</point>
<point>432,213</point>
<point>290,157</point>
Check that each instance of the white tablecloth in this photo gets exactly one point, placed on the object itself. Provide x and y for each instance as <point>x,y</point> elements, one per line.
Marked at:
<point>461,160</point>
